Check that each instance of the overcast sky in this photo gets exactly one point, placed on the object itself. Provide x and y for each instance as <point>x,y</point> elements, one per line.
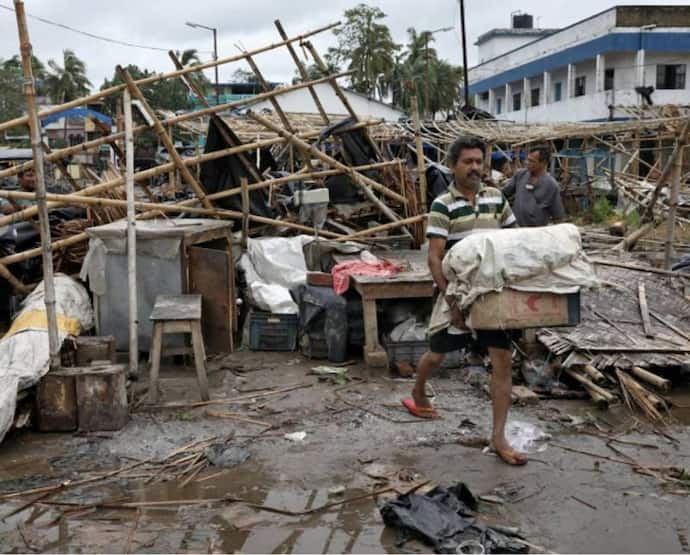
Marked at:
<point>161,24</point>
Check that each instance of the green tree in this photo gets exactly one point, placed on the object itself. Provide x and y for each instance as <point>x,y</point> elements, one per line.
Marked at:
<point>419,72</point>
<point>241,75</point>
<point>313,72</point>
<point>366,46</point>
<point>168,94</point>
<point>190,58</point>
<point>69,81</point>
<point>11,97</point>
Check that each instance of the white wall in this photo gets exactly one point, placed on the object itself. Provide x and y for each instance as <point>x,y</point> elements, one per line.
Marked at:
<point>498,45</point>
<point>583,32</point>
<point>300,101</point>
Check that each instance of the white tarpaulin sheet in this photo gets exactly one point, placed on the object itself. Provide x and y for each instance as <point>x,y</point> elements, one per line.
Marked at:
<point>24,353</point>
<point>272,266</point>
<point>538,259</point>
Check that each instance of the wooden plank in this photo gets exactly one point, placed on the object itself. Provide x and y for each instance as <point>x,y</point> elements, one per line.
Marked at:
<point>374,353</point>
<point>394,290</point>
<point>644,310</point>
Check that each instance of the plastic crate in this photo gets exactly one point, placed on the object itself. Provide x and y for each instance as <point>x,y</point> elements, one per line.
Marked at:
<point>272,332</point>
<point>412,351</point>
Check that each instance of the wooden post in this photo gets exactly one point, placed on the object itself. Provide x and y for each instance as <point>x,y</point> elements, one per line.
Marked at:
<point>245,211</point>
<point>131,237</point>
<point>421,167</point>
<point>172,185</point>
<point>676,175</point>
<point>303,72</point>
<point>37,149</point>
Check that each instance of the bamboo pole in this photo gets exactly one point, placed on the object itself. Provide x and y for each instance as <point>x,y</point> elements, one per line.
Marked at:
<point>245,212</point>
<point>37,148</point>
<point>421,170</point>
<point>220,125</point>
<point>152,207</point>
<point>346,103</point>
<point>161,77</point>
<point>651,378</point>
<point>673,208</point>
<point>158,170</point>
<point>17,285</point>
<point>384,227</point>
<point>681,141</point>
<point>131,237</point>
<point>88,145</point>
<point>303,72</point>
<point>160,131</point>
<point>364,182</point>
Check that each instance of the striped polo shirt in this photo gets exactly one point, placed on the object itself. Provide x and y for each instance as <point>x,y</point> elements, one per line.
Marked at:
<point>453,217</point>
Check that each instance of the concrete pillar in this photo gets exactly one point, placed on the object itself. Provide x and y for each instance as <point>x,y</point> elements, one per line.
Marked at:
<point>639,64</point>
<point>547,87</point>
<point>509,99</point>
<point>492,102</point>
<point>476,101</point>
<point>526,97</point>
<point>570,83</point>
<point>599,73</point>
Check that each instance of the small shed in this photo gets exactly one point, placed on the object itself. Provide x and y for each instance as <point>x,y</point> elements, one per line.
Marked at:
<point>173,257</point>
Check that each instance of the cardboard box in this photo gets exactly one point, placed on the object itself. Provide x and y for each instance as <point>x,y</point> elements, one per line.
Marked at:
<point>511,309</point>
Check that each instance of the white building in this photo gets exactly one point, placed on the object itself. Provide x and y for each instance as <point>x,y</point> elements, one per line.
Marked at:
<point>579,72</point>
<point>300,101</point>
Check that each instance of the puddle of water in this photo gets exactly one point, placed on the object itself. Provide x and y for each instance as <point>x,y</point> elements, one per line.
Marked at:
<point>680,397</point>
<point>349,528</point>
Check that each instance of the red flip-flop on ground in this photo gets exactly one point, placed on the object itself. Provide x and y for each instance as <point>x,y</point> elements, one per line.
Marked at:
<point>419,412</point>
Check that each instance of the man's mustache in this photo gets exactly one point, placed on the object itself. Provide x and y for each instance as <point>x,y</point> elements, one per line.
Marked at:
<point>474,173</point>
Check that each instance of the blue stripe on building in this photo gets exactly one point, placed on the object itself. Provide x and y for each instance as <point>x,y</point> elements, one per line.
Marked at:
<point>613,42</point>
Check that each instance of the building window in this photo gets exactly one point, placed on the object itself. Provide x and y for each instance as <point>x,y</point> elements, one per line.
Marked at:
<point>557,92</point>
<point>580,86</point>
<point>517,101</point>
<point>499,105</point>
<point>670,76</point>
<point>608,79</point>
<point>484,96</point>
<point>534,97</point>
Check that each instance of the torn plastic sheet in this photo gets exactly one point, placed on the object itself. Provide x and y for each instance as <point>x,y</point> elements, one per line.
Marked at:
<point>525,436</point>
<point>445,519</point>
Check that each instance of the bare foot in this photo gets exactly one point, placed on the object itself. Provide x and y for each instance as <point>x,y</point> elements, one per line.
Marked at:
<point>420,399</point>
<point>509,455</point>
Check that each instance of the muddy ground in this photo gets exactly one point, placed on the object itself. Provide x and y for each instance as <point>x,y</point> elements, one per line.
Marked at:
<point>358,438</point>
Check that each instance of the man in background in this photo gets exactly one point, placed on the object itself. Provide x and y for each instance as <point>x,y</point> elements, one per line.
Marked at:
<point>535,194</point>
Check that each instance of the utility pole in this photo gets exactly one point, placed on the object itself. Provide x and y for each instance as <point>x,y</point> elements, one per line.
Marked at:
<point>464,53</point>
<point>427,87</point>
<point>215,52</point>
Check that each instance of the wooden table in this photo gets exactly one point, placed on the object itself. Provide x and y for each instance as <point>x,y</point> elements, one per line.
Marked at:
<point>413,283</point>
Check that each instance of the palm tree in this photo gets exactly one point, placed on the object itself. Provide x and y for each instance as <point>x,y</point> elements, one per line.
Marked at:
<point>38,68</point>
<point>368,47</point>
<point>68,82</point>
<point>190,58</point>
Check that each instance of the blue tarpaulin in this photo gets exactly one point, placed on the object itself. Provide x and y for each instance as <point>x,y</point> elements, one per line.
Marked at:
<point>77,113</point>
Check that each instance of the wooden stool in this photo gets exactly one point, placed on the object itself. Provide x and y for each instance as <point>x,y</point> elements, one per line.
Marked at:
<point>177,314</point>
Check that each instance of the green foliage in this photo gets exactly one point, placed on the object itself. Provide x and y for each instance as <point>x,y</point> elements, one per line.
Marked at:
<point>633,219</point>
<point>419,72</point>
<point>169,94</point>
<point>11,81</point>
<point>601,211</point>
<point>69,81</point>
<point>313,72</point>
<point>366,45</point>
